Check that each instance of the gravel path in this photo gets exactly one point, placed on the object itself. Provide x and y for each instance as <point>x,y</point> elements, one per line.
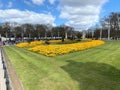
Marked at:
<point>15,81</point>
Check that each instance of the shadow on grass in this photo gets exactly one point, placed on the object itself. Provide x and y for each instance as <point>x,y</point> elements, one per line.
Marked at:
<point>94,76</point>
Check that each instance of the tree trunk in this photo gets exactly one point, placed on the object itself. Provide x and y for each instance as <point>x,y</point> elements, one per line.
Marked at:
<point>63,39</point>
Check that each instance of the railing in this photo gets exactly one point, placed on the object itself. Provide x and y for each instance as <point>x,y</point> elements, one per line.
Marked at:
<point>6,75</point>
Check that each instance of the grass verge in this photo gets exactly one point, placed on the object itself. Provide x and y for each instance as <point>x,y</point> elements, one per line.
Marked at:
<point>93,69</point>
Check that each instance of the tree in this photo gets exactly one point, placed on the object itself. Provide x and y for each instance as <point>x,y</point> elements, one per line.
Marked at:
<point>62,32</point>
<point>1,30</point>
<point>39,30</point>
<point>28,29</point>
<point>6,29</point>
<point>79,35</point>
<point>19,32</point>
<point>12,29</point>
<point>55,31</point>
<point>112,24</point>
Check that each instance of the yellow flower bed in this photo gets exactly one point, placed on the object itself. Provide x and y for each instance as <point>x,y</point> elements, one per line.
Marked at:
<point>53,50</point>
<point>21,45</point>
<point>31,44</point>
<point>34,43</point>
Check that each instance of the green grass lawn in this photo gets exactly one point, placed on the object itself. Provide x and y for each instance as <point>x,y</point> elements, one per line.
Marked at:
<point>93,69</point>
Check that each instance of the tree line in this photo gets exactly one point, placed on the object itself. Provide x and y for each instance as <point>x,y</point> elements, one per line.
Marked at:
<point>109,28</point>
<point>37,31</point>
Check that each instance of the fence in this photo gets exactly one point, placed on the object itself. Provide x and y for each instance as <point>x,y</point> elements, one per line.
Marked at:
<point>6,75</point>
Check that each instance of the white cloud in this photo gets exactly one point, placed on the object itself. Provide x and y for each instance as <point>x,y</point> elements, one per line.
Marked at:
<point>52,1</point>
<point>82,2</point>
<point>28,3</point>
<point>10,4</point>
<point>14,15</point>
<point>79,13</point>
<point>38,2</point>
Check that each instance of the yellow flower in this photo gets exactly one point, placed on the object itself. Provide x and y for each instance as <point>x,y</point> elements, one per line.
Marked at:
<point>24,44</point>
<point>53,50</point>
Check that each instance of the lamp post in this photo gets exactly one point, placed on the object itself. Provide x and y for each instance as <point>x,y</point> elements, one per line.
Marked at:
<point>83,34</point>
<point>100,32</point>
<point>92,34</point>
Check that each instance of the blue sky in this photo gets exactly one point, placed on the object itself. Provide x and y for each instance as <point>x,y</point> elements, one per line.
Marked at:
<point>110,6</point>
<point>80,14</point>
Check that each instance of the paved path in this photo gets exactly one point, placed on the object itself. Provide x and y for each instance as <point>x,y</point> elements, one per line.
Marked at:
<point>2,79</point>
